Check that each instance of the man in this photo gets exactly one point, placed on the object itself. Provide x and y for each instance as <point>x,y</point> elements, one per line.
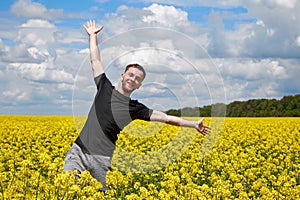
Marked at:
<point>111,111</point>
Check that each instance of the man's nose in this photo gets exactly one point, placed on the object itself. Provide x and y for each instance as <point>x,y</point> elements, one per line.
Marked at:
<point>132,78</point>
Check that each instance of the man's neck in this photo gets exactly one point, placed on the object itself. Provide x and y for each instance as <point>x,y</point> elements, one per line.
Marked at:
<point>120,90</point>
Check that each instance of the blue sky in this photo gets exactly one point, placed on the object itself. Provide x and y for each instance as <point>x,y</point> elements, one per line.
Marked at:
<point>196,52</point>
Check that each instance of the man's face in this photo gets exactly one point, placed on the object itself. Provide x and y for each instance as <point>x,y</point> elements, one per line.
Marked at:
<point>132,79</point>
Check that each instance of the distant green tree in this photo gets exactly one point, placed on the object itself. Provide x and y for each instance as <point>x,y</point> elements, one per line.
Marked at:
<point>288,106</point>
<point>174,112</point>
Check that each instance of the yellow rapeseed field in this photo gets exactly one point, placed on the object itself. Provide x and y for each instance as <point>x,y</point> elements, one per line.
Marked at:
<point>252,158</point>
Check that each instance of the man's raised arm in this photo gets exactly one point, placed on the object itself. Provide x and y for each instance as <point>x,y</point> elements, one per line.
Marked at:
<point>95,58</point>
<point>198,125</point>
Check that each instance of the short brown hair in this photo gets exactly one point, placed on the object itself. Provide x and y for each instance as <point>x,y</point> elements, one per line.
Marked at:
<point>136,66</point>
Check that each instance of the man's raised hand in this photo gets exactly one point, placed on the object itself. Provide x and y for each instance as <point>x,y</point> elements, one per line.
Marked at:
<point>90,27</point>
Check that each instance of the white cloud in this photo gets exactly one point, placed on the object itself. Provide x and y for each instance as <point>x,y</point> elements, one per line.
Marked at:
<point>246,78</point>
<point>37,23</point>
<point>298,41</point>
<point>40,72</point>
<point>270,32</point>
<point>65,86</point>
<point>251,70</point>
<point>33,42</point>
<point>227,3</point>
<point>16,95</point>
<point>37,32</point>
<point>268,90</point>
<point>277,26</point>
<point>30,9</point>
<point>62,102</point>
<point>260,23</point>
<point>278,3</point>
<point>60,76</point>
<point>165,15</point>
<point>155,15</point>
<point>153,90</point>
<point>38,54</point>
<point>31,71</point>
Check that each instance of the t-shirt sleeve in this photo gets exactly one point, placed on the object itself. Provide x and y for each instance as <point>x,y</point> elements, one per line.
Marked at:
<point>101,80</point>
<point>143,112</point>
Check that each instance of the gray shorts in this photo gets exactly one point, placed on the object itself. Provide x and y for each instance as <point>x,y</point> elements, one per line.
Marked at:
<point>97,165</point>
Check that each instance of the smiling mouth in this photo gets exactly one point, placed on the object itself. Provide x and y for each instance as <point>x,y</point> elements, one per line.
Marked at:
<point>130,84</point>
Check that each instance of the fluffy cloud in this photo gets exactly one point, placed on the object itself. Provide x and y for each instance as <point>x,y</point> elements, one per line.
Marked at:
<point>155,15</point>
<point>227,3</point>
<point>246,78</point>
<point>277,30</point>
<point>37,23</point>
<point>37,32</point>
<point>298,41</point>
<point>41,73</point>
<point>16,94</point>
<point>277,3</point>
<point>35,73</point>
<point>252,70</point>
<point>165,15</point>
<point>30,9</point>
<point>34,43</point>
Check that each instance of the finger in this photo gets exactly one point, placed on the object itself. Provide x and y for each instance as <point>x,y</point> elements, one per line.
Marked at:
<point>208,127</point>
<point>206,130</point>
<point>202,130</point>
<point>201,120</point>
<point>101,27</point>
<point>84,26</point>
<point>209,130</point>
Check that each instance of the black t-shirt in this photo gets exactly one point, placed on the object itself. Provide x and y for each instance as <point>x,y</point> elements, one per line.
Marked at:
<point>110,113</point>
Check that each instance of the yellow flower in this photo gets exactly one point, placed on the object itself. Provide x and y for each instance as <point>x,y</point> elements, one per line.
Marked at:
<point>253,158</point>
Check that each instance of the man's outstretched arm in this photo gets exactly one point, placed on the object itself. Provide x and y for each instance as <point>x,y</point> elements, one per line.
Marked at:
<point>95,58</point>
<point>198,125</point>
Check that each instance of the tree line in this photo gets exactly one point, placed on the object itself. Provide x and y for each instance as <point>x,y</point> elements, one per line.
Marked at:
<point>288,106</point>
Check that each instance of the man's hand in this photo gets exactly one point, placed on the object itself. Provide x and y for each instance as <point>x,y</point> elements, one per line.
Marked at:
<point>91,28</point>
<point>202,128</point>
